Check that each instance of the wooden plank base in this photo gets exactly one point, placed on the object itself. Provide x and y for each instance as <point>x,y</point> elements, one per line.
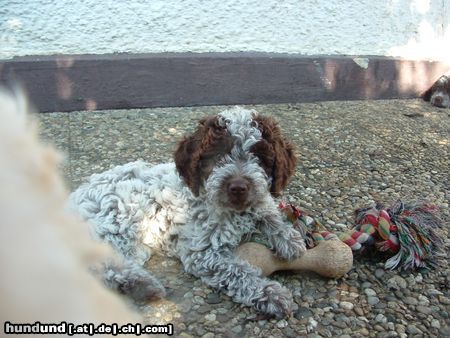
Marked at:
<point>87,82</point>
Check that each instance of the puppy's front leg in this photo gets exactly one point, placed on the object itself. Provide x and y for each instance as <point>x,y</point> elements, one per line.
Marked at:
<point>222,270</point>
<point>287,242</point>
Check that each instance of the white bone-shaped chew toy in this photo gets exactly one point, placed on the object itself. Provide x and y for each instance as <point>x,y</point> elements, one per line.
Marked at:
<point>331,259</point>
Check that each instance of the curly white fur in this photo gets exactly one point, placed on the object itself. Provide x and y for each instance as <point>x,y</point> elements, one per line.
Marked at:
<point>137,207</point>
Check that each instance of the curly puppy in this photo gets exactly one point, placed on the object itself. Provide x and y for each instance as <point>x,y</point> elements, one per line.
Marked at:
<point>219,191</point>
<point>439,92</point>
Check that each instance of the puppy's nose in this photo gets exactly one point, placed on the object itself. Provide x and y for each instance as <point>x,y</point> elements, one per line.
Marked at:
<point>438,100</point>
<point>238,187</point>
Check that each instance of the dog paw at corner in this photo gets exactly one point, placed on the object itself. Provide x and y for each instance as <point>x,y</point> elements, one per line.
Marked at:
<point>276,300</point>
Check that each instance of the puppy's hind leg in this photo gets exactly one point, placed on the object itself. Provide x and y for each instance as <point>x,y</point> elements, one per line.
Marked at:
<point>133,280</point>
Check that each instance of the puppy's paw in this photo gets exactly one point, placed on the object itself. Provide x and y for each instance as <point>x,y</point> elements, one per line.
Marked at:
<point>276,300</point>
<point>144,288</point>
<point>291,247</point>
<point>133,280</point>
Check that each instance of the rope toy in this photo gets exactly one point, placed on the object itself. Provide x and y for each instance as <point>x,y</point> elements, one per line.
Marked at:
<point>405,231</point>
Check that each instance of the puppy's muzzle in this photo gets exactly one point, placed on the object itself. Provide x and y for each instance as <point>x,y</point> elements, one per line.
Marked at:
<point>238,191</point>
<point>438,101</point>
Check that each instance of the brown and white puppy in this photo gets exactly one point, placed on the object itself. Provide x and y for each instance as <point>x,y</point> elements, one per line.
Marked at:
<point>218,192</point>
<point>197,155</point>
<point>439,93</point>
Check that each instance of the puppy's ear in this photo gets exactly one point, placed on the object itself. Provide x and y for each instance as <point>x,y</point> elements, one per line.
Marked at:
<point>186,163</point>
<point>284,159</point>
<point>426,96</point>
<point>195,154</point>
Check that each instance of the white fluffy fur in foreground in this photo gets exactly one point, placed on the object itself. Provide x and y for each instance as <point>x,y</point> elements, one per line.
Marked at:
<point>44,251</point>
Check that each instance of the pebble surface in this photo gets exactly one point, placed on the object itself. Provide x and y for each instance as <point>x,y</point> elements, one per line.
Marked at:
<point>351,154</point>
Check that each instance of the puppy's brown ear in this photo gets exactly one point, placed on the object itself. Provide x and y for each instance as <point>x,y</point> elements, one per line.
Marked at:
<point>195,154</point>
<point>284,160</point>
<point>186,163</point>
<point>426,96</point>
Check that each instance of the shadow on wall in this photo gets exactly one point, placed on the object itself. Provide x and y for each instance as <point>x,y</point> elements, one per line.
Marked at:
<point>380,78</point>
<point>65,87</point>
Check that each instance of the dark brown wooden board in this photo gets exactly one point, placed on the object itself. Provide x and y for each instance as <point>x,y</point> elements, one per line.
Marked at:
<point>80,82</point>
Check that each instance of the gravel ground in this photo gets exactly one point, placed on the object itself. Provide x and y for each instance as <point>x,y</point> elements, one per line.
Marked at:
<point>351,154</point>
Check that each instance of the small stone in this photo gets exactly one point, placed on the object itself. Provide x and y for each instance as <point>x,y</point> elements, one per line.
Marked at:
<point>423,300</point>
<point>341,226</point>
<point>312,324</point>
<point>210,317</point>
<point>412,329</point>
<point>435,323</point>
<point>400,328</point>
<point>303,312</point>
<point>185,335</point>
<point>185,306</point>
<point>378,327</point>
<point>199,300</point>
<point>397,282</point>
<point>411,281</point>
<point>203,309</point>
<point>434,292</point>
<point>188,295</point>
<point>340,324</point>
<point>359,311</point>
<point>237,329</point>
<point>222,311</point>
<point>364,331</point>
<point>373,300</point>
<point>335,192</point>
<point>325,322</point>
<point>370,292</point>
<point>423,309</point>
<point>379,273</point>
<point>282,324</point>
<point>410,300</point>
<point>380,318</point>
<point>208,335</point>
<point>366,285</point>
<point>346,305</point>
<point>445,331</point>
<point>213,298</point>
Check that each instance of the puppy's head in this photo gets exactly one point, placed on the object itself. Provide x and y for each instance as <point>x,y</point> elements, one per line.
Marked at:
<point>236,159</point>
<point>439,93</point>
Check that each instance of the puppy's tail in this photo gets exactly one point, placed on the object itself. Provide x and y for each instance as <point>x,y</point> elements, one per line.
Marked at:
<point>132,279</point>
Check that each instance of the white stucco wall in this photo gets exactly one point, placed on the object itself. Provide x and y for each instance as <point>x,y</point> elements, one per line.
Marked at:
<point>410,28</point>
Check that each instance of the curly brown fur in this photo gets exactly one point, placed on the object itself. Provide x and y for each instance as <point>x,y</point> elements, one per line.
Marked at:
<point>196,155</point>
<point>276,154</point>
